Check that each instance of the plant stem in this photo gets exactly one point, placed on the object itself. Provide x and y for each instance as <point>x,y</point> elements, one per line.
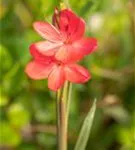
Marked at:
<point>69,98</point>
<point>63,126</point>
<point>58,116</point>
<point>62,116</point>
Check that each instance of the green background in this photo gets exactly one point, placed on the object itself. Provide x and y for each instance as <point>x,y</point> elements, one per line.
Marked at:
<point>27,107</point>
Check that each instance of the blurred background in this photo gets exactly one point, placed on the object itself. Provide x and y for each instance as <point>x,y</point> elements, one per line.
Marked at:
<point>27,107</point>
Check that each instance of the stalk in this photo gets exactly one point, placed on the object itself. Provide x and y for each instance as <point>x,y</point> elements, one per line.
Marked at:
<point>58,96</point>
<point>69,98</point>
<point>62,116</point>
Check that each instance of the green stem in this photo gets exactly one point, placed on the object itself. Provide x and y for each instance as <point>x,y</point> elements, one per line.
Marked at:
<point>62,117</point>
<point>58,115</point>
<point>63,126</point>
<point>69,98</point>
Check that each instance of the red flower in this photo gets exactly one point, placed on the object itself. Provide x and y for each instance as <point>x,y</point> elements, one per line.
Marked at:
<point>64,40</point>
<point>57,72</point>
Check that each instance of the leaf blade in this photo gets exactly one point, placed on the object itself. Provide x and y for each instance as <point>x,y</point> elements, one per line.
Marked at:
<point>86,129</point>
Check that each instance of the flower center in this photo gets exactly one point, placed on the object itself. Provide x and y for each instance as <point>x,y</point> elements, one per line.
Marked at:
<point>59,63</point>
<point>67,41</point>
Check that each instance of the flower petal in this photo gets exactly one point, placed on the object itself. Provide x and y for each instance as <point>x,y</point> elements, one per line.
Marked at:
<point>77,74</point>
<point>56,79</point>
<point>68,54</point>
<point>79,30</point>
<point>85,45</point>
<point>46,48</point>
<point>37,71</point>
<point>47,31</point>
<point>71,24</point>
<point>39,56</point>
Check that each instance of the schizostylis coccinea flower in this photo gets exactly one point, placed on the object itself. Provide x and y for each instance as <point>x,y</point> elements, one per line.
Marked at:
<point>65,39</point>
<point>56,58</point>
<point>57,72</point>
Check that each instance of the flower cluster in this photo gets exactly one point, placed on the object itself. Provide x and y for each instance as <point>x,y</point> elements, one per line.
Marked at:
<point>65,45</point>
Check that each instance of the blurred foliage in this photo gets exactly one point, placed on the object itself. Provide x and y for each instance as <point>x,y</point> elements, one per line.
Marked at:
<point>27,108</point>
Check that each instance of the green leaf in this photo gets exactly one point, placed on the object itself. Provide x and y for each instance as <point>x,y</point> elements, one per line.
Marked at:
<point>86,128</point>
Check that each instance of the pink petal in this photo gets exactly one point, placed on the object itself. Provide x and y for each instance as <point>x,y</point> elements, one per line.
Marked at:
<point>47,31</point>
<point>77,74</point>
<point>79,30</point>
<point>71,24</point>
<point>71,53</point>
<point>39,56</point>
<point>56,79</point>
<point>37,71</point>
<point>68,54</point>
<point>46,48</point>
<point>85,45</point>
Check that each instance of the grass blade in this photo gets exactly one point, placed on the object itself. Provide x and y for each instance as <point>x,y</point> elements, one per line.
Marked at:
<point>86,129</point>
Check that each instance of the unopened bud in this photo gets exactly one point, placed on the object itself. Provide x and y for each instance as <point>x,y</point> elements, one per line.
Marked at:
<point>55,18</point>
